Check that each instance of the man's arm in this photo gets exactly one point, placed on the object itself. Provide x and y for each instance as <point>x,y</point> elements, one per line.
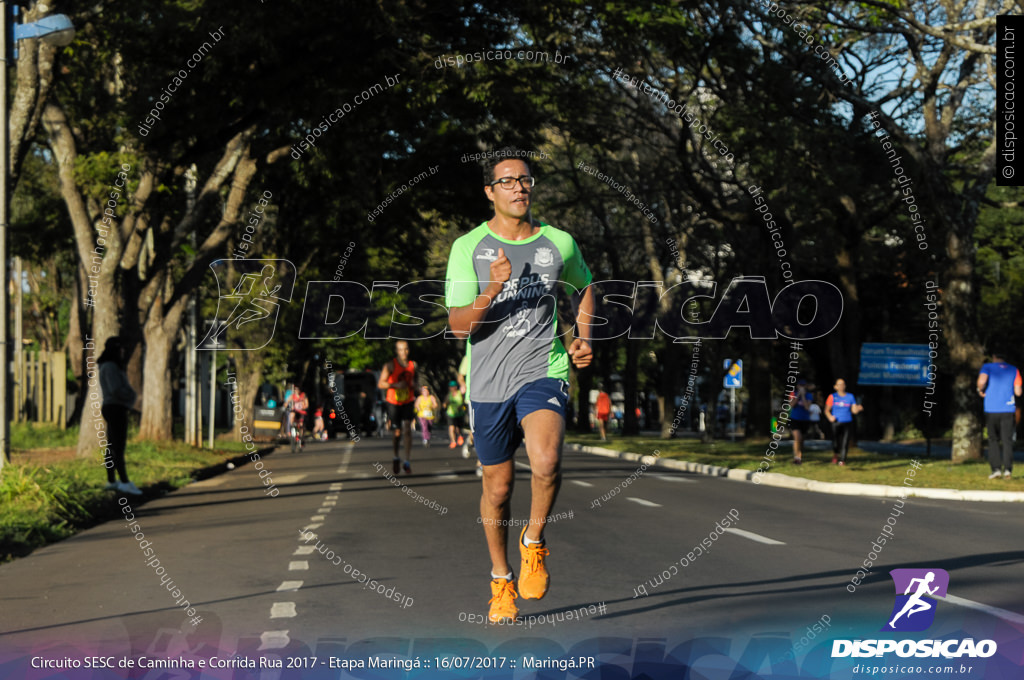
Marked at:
<point>828,410</point>
<point>385,373</point>
<point>1017,384</point>
<point>580,350</point>
<point>463,321</point>
<point>982,383</point>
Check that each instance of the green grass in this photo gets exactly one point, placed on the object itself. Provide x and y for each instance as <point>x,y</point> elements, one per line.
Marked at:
<point>46,503</point>
<point>861,466</point>
<point>42,436</point>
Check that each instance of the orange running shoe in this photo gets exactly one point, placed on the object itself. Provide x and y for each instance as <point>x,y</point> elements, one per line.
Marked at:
<point>460,440</point>
<point>533,577</point>
<point>452,445</point>
<point>503,606</point>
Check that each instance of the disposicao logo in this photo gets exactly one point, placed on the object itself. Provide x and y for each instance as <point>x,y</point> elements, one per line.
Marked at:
<point>914,611</point>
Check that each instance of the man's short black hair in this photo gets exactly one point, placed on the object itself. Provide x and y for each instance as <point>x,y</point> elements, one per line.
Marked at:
<point>998,356</point>
<point>499,156</point>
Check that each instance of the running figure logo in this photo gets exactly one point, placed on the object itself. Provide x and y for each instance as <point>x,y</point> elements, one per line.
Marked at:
<point>247,316</point>
<point>519,326</point>
<point>915,611</point>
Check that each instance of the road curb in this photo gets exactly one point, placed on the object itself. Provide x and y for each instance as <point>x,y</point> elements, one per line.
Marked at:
<point>788,482</point>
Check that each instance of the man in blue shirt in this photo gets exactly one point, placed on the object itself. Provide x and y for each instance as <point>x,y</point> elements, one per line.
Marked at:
<point>999,383</point>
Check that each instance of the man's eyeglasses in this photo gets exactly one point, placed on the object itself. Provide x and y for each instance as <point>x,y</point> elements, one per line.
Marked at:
<point>509,183</point>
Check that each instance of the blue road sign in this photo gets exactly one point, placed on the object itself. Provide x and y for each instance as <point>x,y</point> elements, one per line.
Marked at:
<point>893,364</point>
<point>733,373</point>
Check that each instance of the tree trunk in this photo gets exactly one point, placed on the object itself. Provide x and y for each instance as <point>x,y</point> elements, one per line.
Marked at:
<point>248,376</point>
<point>630,424</point>
<point>959,308</point>
<point>759,388</point>
<point>157,422</point>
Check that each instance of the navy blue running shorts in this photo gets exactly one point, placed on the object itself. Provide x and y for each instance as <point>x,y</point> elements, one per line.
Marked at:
<point>496,427</point>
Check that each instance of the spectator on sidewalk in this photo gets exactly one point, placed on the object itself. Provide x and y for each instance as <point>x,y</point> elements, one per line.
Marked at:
<point>999,383</point>
<point>118,399</point>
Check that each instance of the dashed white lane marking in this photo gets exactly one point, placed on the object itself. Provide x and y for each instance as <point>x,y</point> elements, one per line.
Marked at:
<point>310,536</point>
<point>278,639</point>
<point>1008,616</point>
<point>446,476</point>
<point>754,537</point>
<point>288,479</point>
<point>641,501</point>
<point>523,466</point>
<point>283,610</point>
<point>580,482</point>
<point>674,478</point>
<point>274,639</point>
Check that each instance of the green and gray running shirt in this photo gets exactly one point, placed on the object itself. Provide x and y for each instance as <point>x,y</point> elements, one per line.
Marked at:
<point>516,344</point>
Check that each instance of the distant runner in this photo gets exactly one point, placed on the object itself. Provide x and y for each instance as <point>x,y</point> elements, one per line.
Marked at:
<point>501,285</point>
<point>998,384</point>
<point>840,407</point>
<point>398,377</point>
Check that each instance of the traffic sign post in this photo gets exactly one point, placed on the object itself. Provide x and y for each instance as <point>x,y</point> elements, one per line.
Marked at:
<point>732,381</point>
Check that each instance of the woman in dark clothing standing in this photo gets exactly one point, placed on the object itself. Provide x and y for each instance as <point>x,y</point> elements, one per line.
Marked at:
<point>118,398</point>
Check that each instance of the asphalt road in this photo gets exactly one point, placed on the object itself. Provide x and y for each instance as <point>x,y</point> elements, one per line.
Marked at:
<point>239,557</point>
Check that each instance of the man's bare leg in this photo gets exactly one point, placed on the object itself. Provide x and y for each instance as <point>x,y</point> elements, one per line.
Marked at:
<point>498,482</point>
<point>544,432</point>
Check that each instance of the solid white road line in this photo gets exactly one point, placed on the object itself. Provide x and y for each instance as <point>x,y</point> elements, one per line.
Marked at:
<point>641,501</point>
<point>1008,616</point>
<point>754,537</point>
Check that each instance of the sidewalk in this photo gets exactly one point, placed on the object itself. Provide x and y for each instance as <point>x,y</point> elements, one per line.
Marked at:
<point>837,488</point>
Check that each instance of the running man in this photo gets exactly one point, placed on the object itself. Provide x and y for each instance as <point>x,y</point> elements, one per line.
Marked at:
<point>518,368</point>
<point>914,603</point>
<point>800,417</point>
<point>398,377</point>
<point>840,407</point>
<point>998,384</point>
<point>603,410</point>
